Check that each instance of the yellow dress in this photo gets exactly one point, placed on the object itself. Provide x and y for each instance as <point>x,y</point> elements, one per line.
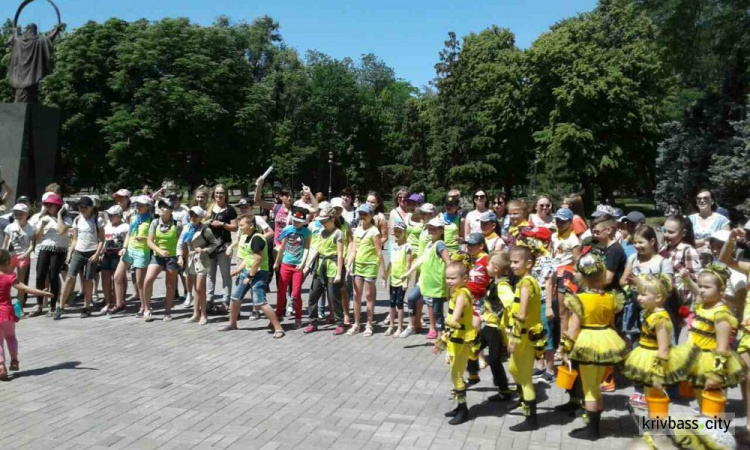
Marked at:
<point>466,333</point>
<point>501,321</point>
<point>744,345</point>
<point>639,366</point>
<point>597,342</point>
<point>708,364</point>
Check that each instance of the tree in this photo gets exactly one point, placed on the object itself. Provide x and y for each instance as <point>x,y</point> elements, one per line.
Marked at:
<point>730,171</point>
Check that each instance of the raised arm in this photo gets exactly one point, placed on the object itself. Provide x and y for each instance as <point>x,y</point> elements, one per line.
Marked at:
<point>258,196</point>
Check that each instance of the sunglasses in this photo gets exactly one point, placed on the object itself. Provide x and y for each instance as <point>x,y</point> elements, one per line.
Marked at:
<point>704,199</point>
<point>480,196</point>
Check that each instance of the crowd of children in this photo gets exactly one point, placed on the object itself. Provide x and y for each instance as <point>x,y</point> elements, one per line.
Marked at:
<point>536,289</point>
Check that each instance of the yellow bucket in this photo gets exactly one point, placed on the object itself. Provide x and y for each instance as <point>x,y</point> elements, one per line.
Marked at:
<point>566,377</point>
<point>658,403</point>
<point>713,403</point>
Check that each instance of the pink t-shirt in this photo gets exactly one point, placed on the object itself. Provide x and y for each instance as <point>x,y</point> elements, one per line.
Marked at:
<point>6,305</point>
<point>280,220</point>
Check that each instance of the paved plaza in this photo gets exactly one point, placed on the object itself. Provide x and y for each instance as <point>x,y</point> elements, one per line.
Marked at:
<point>122,383</point>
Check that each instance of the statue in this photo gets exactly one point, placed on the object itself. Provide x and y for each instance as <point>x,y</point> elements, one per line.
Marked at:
<point>30,58</point>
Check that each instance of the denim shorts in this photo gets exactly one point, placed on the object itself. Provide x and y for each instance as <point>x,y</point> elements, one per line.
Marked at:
<point>138,259</point>
<point>430,301</point>
<point>109,262</point>
<point>257,283</point>
<point>79,263</point>
<point>168,263</point>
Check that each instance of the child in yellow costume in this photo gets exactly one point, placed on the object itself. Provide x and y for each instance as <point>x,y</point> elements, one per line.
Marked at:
<point>527,331</point>
<point>459,333</point>
<point>717,366</point>
<point>655,362</point>
<point>591,339</point>
<point>495,315</point>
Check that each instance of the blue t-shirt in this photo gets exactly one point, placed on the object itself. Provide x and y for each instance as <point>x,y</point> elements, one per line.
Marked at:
<point>296,239</point>
<point>629,248</point>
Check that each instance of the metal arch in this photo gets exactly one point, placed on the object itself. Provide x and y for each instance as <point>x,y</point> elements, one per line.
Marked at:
<point>24,4</point>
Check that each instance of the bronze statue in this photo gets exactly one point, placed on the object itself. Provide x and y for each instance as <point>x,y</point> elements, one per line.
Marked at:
<point>31,57</point>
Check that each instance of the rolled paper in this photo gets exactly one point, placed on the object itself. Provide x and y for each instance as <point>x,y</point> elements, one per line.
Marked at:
<point>267,172</point>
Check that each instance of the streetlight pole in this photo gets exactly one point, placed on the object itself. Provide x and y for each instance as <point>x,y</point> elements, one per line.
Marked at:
<point>330,174</point>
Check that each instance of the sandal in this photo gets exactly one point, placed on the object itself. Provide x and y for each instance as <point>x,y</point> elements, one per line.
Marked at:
<point>4,374</point>
<point>353,330</point>
<point>368,331</point>
<point>388,332</point>
<point>36,312</point>
<point>279,334</point>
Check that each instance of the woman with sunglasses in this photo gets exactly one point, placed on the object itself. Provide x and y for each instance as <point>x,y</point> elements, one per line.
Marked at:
<point>706,221</point>
<point>499,207</point>
<point>402,211</point>
<point>542,215</point>
<point>471,221</point>
<point>51,231</point>
<point>222,219</point>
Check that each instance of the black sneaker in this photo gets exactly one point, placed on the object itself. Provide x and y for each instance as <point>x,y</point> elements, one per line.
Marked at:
<point>117,310</point>
<point>537,373</point>
<point>85,312</point>
<point>139,315</point>
<point>547,378</point>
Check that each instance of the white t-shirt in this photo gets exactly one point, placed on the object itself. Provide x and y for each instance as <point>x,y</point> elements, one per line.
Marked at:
<point>472,218</point>
<point>19,238</point>
<point>182,215</point>
<point>87,230</point>
<point>262,224</point>
<point>51,239</point>
<point>563,248</point>
<point>539,222</point>
<point>114,237</point>
<point>737,282</point>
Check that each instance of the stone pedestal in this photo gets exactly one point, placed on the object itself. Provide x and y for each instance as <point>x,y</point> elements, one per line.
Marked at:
<point>29,148</point>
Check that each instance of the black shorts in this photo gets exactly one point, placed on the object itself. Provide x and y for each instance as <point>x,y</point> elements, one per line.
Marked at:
<point>79,263</point>
<point>168,263</point>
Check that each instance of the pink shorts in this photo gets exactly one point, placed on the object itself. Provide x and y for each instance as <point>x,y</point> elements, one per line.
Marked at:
<point>16,261</point>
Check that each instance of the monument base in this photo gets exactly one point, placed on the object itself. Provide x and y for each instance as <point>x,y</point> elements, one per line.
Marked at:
<point>29,148</point>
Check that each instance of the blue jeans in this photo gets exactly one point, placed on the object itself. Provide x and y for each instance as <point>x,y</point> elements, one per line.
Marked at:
<point>257,283</point>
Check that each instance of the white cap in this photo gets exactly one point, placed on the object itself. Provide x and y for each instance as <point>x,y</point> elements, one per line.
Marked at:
<point>721,235</point>
<point>21,207</point>
<point>143,200</point>
<point>337,202</point>
<point>115,210</point>
<point>122,193</point>
<point>198,211</point>
<point>428,208</point>
<point>436,222</point>
<point>324,205</point>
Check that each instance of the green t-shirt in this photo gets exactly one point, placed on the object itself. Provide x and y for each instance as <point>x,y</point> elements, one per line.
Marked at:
<point>253,246</point>
<point>165,235</point>
<point>328,251</point>
<point>432,277</point>
<point>452,233</point>
<point>399,255</point>
<point>366,253</point>
<point>140,231</point>
<point>413,231</point>
<point>424,241</point>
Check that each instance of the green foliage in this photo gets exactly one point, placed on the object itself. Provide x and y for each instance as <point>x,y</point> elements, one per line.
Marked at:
<point>730,171</point>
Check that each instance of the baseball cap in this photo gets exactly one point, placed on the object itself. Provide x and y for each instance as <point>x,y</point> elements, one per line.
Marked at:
<point>324,205</point>
<point>452,200</point>
<point>277,186</point>
<point>617,213</point>
<point>428,208</point>
<point>52,199</point>
<point>23,199</point>
<point>399,224</point>
<point>325,213</point>
<point>720,235</point>
<point>474,239</point>
<point>436,222</point>
<point>86,201</point>
<point>197,211</point>
<point>122,193</point>
<point>165,203</point>
<point>634,216</point>
<point>488,216</point>
<point>115,210</point>
<point>564,214</point>
<point>541,233</point>
<point>21,207</point>
<point>174,195</point>
<point>365,208</point>
<point>337,202</point>
<point>602,210</point>
<point>299,214</point>
<point>416,198</point>
<point>244,202</point>
<point>143,200</point>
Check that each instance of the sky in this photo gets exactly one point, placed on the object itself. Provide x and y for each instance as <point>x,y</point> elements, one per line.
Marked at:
<point>406,34</point>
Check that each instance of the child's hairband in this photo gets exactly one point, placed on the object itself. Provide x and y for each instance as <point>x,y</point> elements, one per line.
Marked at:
<point>719,271</point>
<point>590,264</point>
<point>462,257</point>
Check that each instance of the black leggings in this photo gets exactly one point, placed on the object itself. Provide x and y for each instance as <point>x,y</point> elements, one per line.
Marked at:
<point>321,283</point>
<point>491,339</point>
<point>48,266</point>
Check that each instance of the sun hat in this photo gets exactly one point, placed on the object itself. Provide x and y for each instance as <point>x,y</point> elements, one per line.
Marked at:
<point>337,202</point>
<point>720,235</point>
<point>21,207</point>
<point>541,233</point>
<point>115,210</point>
<point>602,210</point>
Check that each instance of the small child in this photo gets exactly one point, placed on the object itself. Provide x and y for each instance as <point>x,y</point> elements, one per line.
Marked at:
<point>497,306</point>
<point>458,335</point>
<point>19,240</point>
<point>527,332</point>
<point>591,340</point>
<point>399,262</point>
<point>8,317</point>
<point>717,366</point>
<point>518,215</point>
<point>655,362</point>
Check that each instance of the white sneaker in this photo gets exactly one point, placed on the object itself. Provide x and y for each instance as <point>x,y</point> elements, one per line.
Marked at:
<point>397,333</point>
<point>255,315</point>
<point>407,332</point>
<point>104,310</point>
<point>188,301</point>
<point>167,318</point>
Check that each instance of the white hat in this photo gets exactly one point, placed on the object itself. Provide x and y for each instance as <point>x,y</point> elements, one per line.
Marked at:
<point>21,207</point>
<point>428,208</point>
<point>198,211</point>
<point>122,193</point>
<point>337,202</point>
<point>324,205</point>
<point>143,200</point>
<point>115,210</point>
<point>436,222</point>
<point>721,235</point>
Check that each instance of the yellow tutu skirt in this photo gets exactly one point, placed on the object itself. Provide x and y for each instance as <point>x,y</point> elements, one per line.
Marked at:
<point>599,347</point>
<point>744,345</point>
<point>640,363</point>
<point>704,363</point>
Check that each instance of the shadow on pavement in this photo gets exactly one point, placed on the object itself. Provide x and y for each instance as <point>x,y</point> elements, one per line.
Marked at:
<point>70,365</point>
